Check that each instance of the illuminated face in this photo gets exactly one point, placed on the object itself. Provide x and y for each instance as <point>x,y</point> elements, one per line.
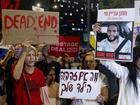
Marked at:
<point>90,62</point>
<point>30,58</point>
<point>112,33</point>
<point>51,77</point>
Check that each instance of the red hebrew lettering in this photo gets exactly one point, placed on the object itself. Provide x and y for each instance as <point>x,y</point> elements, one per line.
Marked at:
<point>110,55</point>
<point>123,13</point>
<point>100,54</point>
<point>106,13</point>
<point>115,13</point>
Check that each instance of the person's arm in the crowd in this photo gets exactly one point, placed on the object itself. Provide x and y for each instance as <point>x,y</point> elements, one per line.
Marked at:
<point>4,61</point>
<point>19,66</point>
<point>104,93</point>
<point>103,97</point>
<point>117,69</point>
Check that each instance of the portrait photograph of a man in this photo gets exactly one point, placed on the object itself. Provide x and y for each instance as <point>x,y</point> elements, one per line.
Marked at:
<point>114,41</point>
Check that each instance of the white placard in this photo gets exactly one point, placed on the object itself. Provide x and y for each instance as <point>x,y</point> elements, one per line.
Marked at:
<point>79,84</point>
<point>127,14</point>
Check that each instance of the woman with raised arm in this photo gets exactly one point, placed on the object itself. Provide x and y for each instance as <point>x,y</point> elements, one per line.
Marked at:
<point>28,79</point>
<point>129,79</point>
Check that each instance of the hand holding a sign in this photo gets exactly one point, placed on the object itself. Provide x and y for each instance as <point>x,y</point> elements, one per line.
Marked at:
<point>96,27</point>
<point>100,99</point>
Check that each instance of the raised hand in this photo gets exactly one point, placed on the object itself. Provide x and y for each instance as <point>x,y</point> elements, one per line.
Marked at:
<point>96,27</point>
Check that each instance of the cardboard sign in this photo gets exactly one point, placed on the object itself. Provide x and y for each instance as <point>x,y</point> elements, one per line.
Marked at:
<point>19,25</point>
<point>115,41</point>
<point>67,44</point>
<point>79,84</point>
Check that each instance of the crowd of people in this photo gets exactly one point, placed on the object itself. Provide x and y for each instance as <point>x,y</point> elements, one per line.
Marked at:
<point>25,75</point>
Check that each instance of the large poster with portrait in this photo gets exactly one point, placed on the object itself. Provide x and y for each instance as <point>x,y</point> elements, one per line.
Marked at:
<point>115,38</point>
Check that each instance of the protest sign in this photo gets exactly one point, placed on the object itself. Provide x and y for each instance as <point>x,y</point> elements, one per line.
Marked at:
<point>67,44</point>
<point>114,42</point>
<point>79,84</point>
<point>19,25</point>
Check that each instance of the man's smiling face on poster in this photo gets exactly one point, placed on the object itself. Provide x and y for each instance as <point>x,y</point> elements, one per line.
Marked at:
<point>112,33</point>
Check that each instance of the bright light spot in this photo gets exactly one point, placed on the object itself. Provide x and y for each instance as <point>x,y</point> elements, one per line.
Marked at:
<point>66,14</point>
<point>61,17</point>
<point>55,6</point>
<point>61,5</point>
<point>38,4</point>
<point>92,33</point>
<point>75,2</point>
<point>77,10</point>
<point>73,24</point>
<point>82,20</point>
<point>70,14</point>
<point>73,28</point>
<point>79,29</point>
<point>82,8</point>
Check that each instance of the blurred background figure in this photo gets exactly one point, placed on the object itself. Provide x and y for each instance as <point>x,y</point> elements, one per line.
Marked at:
<point>64,61</point>
<point>91,64</point>
<point>137,41</point>
<point>16,50</point>
<point>53,87</point>
<point>48,61</point>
